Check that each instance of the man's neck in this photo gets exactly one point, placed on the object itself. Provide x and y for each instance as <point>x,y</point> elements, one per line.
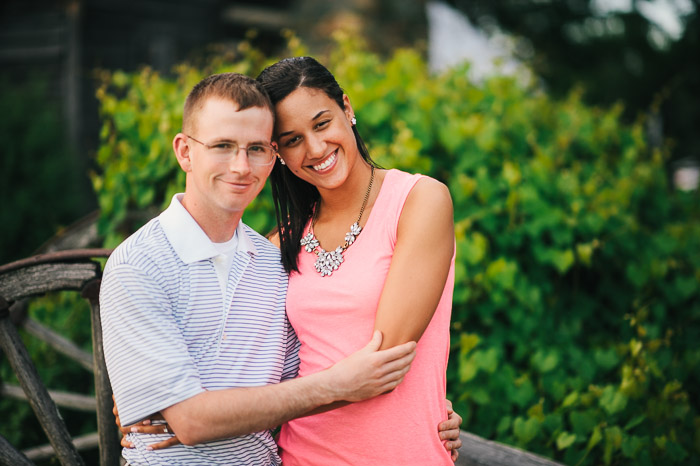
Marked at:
<point>219,227</point>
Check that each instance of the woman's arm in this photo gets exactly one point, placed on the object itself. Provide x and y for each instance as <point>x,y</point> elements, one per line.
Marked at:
<point>420,264</point>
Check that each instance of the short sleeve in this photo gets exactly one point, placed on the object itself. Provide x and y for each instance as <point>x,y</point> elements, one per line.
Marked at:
<point>291,357</point>
<point>147,359</point>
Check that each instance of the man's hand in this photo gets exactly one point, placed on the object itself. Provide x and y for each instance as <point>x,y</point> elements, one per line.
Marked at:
<point>145,427</point>
<point>369,372</point>
<point>449,431</point>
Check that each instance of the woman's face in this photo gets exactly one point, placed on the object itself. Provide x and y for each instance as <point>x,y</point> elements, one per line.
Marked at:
<point>315,137</point>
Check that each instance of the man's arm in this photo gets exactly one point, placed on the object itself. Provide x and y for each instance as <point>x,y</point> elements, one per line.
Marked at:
<point>226,413</point>
<point>147,358</point>
<point>151,370</point>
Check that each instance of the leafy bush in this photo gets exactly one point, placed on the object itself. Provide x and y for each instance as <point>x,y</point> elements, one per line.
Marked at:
<point>39,178</point>
<point>576,305</point>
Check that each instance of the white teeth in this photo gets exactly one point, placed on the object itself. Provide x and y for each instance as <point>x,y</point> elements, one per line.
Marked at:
<point>327,163</point>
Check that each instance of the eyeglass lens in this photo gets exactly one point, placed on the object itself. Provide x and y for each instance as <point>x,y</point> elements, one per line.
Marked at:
<point>258,154</point>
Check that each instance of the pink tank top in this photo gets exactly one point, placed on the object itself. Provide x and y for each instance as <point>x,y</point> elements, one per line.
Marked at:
<point>333,317</point>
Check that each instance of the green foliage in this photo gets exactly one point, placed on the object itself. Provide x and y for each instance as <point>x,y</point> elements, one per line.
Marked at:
<point>576,304</point>
<point>39,179</point>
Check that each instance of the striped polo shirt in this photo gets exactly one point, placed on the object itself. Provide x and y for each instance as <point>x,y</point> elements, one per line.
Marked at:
<point>171,332</point>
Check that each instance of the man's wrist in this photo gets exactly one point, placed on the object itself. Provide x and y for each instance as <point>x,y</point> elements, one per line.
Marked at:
<point>323,384</point>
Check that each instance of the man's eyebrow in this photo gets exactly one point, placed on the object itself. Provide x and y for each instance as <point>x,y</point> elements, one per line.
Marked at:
<point>316,117</point>
<point>233,141</point>
<point>220,140</point>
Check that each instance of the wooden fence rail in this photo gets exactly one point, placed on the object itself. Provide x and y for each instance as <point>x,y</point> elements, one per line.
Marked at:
<point>75,270</point>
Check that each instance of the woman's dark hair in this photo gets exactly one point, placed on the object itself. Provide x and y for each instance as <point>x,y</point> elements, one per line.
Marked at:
<point>293,197</point>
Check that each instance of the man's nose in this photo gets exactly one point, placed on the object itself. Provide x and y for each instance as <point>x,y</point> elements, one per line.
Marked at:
<point>239,161</point>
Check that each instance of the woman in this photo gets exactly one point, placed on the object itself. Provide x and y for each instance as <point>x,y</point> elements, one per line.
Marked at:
<point>366,249</point>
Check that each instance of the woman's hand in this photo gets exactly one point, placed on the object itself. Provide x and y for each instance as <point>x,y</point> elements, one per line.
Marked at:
<point>449,431</point>
<point>145,427</point>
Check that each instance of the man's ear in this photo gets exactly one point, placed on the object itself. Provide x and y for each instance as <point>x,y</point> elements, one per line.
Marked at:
<point>182,152</point>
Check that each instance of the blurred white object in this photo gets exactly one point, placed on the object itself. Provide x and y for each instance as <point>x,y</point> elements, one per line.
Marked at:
<point>686,174</point>
<point>452,39</point>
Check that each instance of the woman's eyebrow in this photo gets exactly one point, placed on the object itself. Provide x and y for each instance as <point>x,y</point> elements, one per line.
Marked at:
<point>316,117</point>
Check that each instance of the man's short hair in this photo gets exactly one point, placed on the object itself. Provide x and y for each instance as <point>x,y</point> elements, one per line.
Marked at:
<point>237,88</point>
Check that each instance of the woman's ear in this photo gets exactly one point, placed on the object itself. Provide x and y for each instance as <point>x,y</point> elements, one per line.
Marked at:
<point>182,152</point>
<point>347,108</point>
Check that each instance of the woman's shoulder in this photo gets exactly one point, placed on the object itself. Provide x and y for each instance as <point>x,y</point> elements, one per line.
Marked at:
<point>396,175</point>
<point>422,188</point>
<point>428,197</point>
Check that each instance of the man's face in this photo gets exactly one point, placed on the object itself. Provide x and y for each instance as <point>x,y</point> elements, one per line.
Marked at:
<point>224,188</point>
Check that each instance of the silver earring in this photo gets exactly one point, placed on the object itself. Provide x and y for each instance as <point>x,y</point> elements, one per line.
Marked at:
<point>353,120</point>
<point>282,161</point>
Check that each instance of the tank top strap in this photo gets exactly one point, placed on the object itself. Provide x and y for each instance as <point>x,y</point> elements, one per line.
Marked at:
<point>387,209</point>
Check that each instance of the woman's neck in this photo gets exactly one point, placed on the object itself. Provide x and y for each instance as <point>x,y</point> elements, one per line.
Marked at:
<point>346,199</point>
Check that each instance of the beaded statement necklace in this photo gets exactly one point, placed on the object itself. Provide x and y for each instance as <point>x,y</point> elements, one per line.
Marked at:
<point>328,261</point>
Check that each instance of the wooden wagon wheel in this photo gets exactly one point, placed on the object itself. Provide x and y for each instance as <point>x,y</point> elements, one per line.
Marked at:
<point>37,275</point>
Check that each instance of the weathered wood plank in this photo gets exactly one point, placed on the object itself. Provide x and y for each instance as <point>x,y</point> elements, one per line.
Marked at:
<point>42,278</point>
<point>62,399</point>
<point>9,456</point>
<point>83,442</point>
<point>70,255</point>
<point>110,449</point>
<point>40,401</point>
<point>477,451</point>
<point>60,343</point>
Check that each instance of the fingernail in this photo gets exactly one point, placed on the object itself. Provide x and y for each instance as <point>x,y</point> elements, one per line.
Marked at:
<point>149,448</point>
<point>134,429</point>
<point>147,422</point>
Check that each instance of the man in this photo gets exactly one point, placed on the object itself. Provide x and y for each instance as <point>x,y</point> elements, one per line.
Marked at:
<point>193,304</point>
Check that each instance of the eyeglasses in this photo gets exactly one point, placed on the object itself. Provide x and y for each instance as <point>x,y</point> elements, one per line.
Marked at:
<point>224,151</point>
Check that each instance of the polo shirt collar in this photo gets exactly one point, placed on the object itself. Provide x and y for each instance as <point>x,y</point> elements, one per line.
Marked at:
<point>189,240</point>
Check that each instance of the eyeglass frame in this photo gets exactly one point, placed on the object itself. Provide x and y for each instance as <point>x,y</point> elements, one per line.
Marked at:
<point>272,146</point>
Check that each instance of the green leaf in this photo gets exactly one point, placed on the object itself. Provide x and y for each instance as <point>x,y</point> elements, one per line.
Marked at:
<point>487,360</point>
<point>595,438</point>
<point>632,445</point>
<point>634,422</point>
<point>613,400</point>
<point>563,260</point>
<point>606,358</point>
<point>613,441</point>
<point>582,422</point>
<point>565,440</point>
<point>545,361</point>
<point>476,248</point>
<point>570,399</point>
<point>526,430</point>
<point>467,368</point>
<point>467,342</point>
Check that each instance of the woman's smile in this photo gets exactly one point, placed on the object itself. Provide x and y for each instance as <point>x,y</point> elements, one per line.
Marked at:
<point>327,162</point>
